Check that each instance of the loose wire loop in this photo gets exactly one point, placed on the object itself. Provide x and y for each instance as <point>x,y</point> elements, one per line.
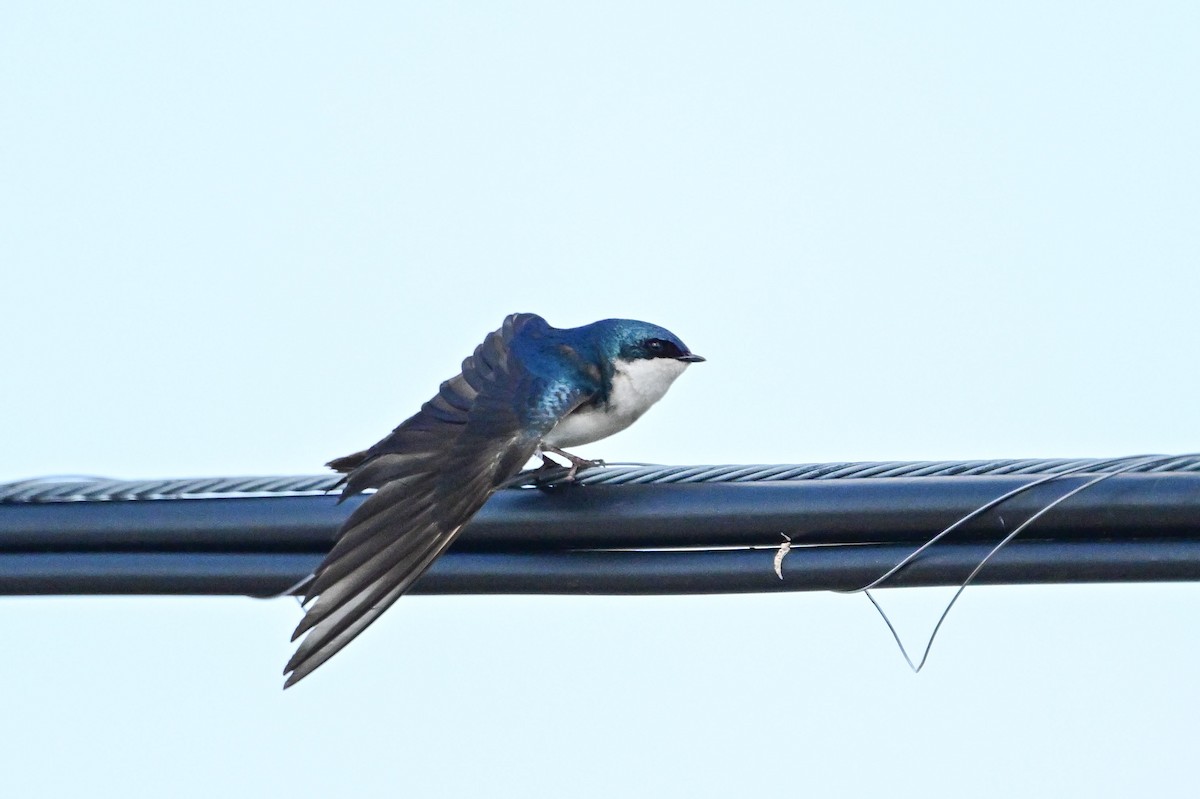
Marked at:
<point>1118,466</point>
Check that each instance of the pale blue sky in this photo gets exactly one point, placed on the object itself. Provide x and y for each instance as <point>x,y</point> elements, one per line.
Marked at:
<point>243,240</point>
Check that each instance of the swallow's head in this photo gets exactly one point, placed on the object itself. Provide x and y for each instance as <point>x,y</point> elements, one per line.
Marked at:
<point>628,340</point>
<point>643,362</point>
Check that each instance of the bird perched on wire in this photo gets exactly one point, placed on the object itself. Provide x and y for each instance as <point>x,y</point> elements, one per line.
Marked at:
<point>529,389</point>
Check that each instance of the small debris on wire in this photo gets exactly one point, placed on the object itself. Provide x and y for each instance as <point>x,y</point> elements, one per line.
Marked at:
<point>784,548</point>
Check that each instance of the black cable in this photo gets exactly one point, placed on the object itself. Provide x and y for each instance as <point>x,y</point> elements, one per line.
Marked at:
<point>258,536</point>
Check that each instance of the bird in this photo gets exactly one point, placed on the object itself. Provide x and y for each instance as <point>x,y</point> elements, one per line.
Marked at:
<point>529,389</point>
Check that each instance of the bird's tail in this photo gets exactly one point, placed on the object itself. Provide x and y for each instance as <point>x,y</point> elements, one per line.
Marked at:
<point>348,463</point>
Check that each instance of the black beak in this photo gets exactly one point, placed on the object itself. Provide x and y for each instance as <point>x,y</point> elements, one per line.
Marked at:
<point>691,357</point>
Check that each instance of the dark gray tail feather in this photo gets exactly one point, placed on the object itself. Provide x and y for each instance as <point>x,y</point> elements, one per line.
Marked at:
<point>345,465</point>
<point>348,463</point>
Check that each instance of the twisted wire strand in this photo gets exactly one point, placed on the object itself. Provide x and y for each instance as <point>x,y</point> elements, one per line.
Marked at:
<point>100,489</point>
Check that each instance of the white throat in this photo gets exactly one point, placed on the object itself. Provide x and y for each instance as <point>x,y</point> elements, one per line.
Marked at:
<point>636,385</point>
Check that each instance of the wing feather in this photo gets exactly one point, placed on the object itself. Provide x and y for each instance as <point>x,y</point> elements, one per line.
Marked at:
<point>433,472</point>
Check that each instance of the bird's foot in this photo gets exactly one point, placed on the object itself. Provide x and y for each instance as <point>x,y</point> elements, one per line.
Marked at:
<point>576,462</point>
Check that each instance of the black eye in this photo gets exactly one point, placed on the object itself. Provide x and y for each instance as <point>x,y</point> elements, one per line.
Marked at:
<point>658,348</point>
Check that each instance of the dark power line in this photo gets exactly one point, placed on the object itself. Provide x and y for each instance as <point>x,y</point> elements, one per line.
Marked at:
<point>625,530</point>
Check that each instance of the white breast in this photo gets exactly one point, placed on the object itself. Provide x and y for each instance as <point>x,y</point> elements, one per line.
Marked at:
<point>636,386</point>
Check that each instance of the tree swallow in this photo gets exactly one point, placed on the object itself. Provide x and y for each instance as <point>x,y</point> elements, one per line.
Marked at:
<point>529,389</point>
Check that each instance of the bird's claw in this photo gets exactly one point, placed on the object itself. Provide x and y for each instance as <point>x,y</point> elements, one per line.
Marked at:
<point>576,463</point>
<point>583,463</point>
